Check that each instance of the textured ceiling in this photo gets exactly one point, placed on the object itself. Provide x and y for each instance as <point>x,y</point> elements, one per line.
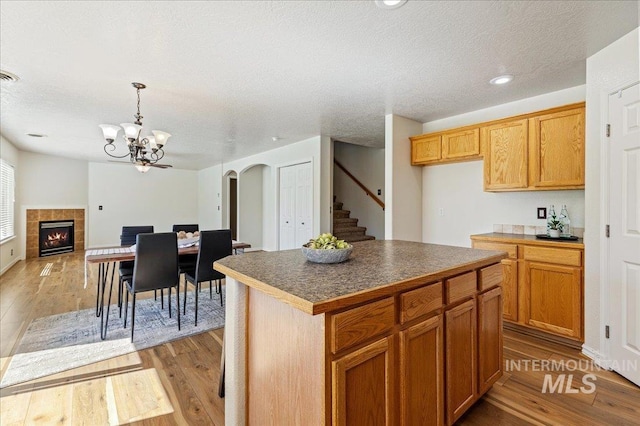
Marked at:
<point>225,77</point>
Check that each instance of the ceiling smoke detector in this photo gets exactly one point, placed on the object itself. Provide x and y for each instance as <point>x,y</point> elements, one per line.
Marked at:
<point>7,76</point>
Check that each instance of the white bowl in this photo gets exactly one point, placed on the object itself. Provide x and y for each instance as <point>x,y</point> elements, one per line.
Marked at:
<point>327,256</point>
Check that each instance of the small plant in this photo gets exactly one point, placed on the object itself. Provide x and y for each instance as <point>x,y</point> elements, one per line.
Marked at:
<point>555,223</point>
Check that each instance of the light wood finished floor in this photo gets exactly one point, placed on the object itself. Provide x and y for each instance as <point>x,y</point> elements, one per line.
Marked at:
<point>176,383</point>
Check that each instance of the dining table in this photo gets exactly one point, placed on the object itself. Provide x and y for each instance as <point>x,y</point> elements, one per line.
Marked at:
<point>107,258</point>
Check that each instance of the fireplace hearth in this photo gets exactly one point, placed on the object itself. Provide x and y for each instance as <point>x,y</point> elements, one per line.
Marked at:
<point>56,237</point>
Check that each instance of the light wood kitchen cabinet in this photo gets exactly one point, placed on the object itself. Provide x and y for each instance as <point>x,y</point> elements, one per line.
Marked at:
<point>489,338</point>
<point>461,350</point>
<point>542,150</point>
<point>363,383</point>
<point>505,155</point>
<point>421,373</point>
<point>553,295</point>
<point>543,284</point>
<point>557,147</point>
<point>460,144</point>
<point>426,150</point>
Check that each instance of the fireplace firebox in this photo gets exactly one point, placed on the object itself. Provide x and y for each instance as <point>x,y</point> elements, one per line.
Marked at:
<point>56,237</point>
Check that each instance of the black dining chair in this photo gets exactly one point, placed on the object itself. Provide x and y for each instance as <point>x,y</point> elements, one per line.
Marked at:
<point>186,261</point>
<point>156,268</point>
<point>125,269</point>
<point>214,245</point>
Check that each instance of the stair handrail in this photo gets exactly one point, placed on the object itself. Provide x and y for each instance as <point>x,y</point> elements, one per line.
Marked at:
<point>360,184</point>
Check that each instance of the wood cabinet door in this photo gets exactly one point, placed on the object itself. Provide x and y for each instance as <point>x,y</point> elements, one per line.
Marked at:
<point>461,359</point>
<point>510,289</point>
<point>505,155</point>
<point>426,150</point>
<point>421,374</point>
<point>557,147</point>
<point>489,338</point>
<point>363,386</point>
<point>553,296</point>
<point>465,143</point>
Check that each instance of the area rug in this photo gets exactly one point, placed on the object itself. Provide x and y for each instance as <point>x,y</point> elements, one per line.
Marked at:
<point>61,342</point>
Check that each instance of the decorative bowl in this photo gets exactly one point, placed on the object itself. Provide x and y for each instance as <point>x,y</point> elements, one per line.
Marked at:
<point>327,256</point>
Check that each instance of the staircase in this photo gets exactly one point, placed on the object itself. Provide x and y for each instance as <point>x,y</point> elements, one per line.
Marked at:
<point>346,228</point>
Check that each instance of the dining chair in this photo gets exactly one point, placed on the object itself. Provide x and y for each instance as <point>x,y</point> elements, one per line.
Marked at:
<point>156,268</point>
<point>186,261</point>
<point>125,269</point>
<point>214,245</point>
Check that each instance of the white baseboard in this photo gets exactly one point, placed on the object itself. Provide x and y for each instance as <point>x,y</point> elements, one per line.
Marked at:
<point>6,268</point>
<point>600,359</point>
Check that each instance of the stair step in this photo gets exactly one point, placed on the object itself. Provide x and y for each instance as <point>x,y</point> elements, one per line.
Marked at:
<point>360,238</point>
<point>349,230</point>
<point>337,205</point>
<point>341,213</point>
<point>345,221</point>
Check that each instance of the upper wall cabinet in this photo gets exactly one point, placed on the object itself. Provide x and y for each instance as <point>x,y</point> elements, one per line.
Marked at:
<point>446,147</point>
<point>542,150</point>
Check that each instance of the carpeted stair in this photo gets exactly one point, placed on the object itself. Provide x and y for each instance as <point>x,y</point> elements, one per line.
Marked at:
<point>346,227</point>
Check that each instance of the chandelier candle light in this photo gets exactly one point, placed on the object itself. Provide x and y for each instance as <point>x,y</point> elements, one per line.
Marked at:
<point>143,152</point>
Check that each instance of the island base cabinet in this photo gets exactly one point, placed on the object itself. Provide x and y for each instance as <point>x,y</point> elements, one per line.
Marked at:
<point>363,381</point>
<point>421,374</point>
<point>489,338</point>
<point>461,353</point>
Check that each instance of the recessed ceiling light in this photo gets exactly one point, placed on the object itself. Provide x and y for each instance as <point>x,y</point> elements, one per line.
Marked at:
<point>502,79</point>
<point>275,138</point>
<point>390,4</point>
<point>36,135</point>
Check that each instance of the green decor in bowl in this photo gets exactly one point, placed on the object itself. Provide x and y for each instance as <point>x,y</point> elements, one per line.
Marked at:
<point>327,249</point>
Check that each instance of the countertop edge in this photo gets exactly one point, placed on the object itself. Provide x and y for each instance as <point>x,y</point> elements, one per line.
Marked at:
<point>353,299</point>
<point>509,238</point>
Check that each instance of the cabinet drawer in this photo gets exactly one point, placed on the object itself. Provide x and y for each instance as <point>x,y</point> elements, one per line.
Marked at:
<point>511,249</point>
<point>461,287</point>
<point>360,324</point>
<point>421,301</point>
<point>560,256</point>
<point>490,276</point>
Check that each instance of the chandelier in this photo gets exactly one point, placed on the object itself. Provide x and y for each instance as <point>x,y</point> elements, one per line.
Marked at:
<point>143,152</point>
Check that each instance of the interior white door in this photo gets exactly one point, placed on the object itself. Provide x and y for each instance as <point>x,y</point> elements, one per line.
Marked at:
<point>287,194</point>
<point>624,216</point>
<point>304,203</point>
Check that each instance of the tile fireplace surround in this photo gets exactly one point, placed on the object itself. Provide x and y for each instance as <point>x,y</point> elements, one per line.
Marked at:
<point>34,216</point>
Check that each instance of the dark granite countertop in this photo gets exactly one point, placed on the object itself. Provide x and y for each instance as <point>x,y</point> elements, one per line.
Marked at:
<point>528,239</point>
<point>375,269</point>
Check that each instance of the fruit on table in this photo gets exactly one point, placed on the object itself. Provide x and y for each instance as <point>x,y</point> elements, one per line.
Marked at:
<point>327,242</point>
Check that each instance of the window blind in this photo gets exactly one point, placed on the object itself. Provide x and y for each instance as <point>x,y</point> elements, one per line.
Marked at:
<point>7,200</point>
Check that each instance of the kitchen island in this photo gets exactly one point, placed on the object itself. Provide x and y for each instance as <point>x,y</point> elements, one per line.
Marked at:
<point>370,341</point>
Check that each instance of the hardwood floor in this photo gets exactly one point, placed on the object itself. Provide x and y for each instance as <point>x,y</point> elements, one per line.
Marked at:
<point>176,383</point>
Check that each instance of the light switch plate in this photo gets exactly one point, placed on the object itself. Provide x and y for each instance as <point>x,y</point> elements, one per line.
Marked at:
<point>542,212</point>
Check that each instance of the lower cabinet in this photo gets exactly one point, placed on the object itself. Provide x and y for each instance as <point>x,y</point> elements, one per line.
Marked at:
<point>489,338</point>
<point>421,373</point>
<point>554,295</point>
<point>460,337</point>
<point>363,385</point>
<point>510,290</point>
<point>421,357</point>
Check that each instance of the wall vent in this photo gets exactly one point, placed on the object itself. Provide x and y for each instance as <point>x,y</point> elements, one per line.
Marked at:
<point>7,76</point>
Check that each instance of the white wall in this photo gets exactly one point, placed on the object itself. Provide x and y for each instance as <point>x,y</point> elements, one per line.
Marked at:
<point>367,165</point>
<point>614,67</point>
<point>458,188</point>
<point>403,182</point>
<point>210,198</point>
<point>250,206</point>
<point>160,198</point>
<point>317,150</point>
<point>11,251</point>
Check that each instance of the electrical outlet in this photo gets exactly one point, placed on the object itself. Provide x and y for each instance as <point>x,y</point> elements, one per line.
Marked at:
<point>99,207</point>
<point>11,252</point>
<point>440,211</point>
<point>379,191</point>
<point>542,212</point>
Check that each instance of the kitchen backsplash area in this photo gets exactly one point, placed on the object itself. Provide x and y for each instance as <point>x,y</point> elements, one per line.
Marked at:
<point>530,230</point>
